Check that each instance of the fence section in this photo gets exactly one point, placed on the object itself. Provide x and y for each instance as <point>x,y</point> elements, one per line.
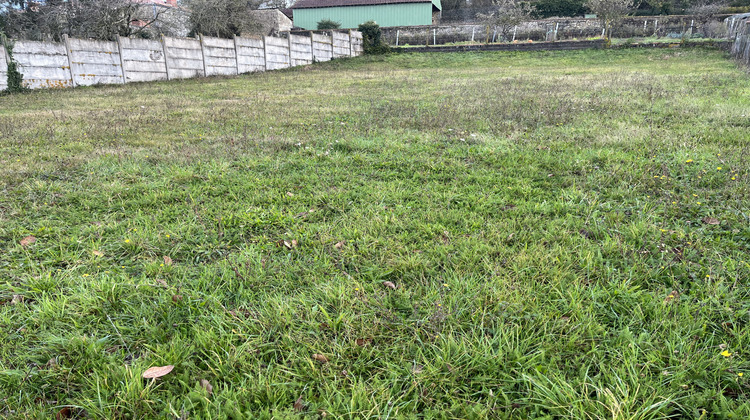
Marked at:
<point>78,62</point>
<point>300,50</point>
<point>277,53</point>
<point>142,60</point>
<point>43,64</point>
<point>251,55</point>
<point>322,47</point>
<point>94,62</point>
<point>219,56</point>
<point>739,34</point>
<point>3,69</point>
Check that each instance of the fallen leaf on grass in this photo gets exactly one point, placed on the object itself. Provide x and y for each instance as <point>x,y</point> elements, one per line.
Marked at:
<point>157,372</point>
<point>289,194</point>
<point>16,299</point>
<point>320,358</point>
<point>64,413</point>
<point>288,244</point>
<point>389,285</point>
<point>207,386</point>
<point>299,405</point>
<point>27,241</point>
<point>167,260</point>
<point>710,220</point>
<point>339,245</point>
<point>363,341</point>
<point>672,297</point>
<point>97,253</point>
<point>176,298</point>
<point>162,283</point>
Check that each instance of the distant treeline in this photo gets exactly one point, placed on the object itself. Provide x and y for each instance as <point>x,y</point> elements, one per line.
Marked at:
<point>462,11</point>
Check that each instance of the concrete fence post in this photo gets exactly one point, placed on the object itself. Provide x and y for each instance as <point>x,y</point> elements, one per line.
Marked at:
<point>166,57</point>
<point>265,54</point>
<point>236,54</point>
<point>69,52</point>
<point>203,55</point>
<point>351,44</point>
<point>122,60</point>
<point>312,46</point>
<point>333,50</point>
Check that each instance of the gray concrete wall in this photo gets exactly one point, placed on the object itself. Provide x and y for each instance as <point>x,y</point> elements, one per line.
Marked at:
<point>739,35</point>
<point>251,55</point>
<point>94,62</point>
<point>219,56</point>
<point>78,62</point>
<point>322,46</point>
<point>43,64</point>
<point>300,50</point>
<point>143,60</point>
<point>277,53</point>
<point>3,69</point>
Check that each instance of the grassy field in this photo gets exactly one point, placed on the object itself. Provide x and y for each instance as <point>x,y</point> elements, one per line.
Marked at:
<point>452,236</point>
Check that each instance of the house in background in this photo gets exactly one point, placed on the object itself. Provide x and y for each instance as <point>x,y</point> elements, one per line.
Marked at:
<point>351,13</point>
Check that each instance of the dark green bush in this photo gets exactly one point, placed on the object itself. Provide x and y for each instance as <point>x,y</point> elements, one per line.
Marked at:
<point>15,78</point>
<point>329,24</point>
<point>372,38</point>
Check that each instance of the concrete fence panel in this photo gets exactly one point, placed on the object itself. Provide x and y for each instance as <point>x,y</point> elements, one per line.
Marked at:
<point>79,62</point>
<point>251,55</point>
<point>3,69</point>
<point>184,58</point>
<point>277,53</point>
<point>358,47</point>
<point>739,35</point>
<point>142,60</point>
<point>322,47</point>
<point>220,56</point>
<point>43,64</point>
<point>94,62</point>
<point>341,44</point>
<point>300,50</point>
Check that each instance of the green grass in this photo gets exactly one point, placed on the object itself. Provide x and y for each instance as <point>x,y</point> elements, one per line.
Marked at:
<point>534,210</point>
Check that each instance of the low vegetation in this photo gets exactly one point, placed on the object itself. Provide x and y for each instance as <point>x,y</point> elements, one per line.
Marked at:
<point>494,235</point>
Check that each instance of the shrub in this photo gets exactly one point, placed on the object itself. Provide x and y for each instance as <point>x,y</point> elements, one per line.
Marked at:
<point>15,78</point>
<point>328,24</point>
<point>372,38</point>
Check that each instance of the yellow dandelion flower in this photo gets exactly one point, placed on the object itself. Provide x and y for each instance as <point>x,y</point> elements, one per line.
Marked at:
<point>740,374</point>
<point>719,168</point>
<point>726,353</point>
<point>689,160</point>
<point>127,241</point>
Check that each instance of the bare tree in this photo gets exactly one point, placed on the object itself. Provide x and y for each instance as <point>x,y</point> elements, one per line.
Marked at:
<point>609,12</point>
<point>506,15</point>
<point>80,18</point>
<point>222,18</point>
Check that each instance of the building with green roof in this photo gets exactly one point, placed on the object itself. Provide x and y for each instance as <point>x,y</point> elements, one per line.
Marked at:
<point>351,13</point>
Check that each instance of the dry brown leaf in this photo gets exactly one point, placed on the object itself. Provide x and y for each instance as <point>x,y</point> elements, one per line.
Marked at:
<point>27,241</point>
<point>64,413</point>
<point>322,413</point>
<point>389,284</point>
<point>207,386</point>
<point>167,260</point>
<point>289,194</point>
<point>294,243</point>
<point>157,372</point>
<point>363,341</point>
<point>299,405</point>
<point>672,297</point>
<point>320,358</point>
<point>710,220</point>
<point>339,245</point>
<point>162,283</point>
<point>16,299</point>
<point>52,363</point>
<point>417,368</point>
<point>97,253</point>
<point>176,298</point>
<point>287,244</point>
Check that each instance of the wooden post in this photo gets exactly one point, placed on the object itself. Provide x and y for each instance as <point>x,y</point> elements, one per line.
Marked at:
<point>237,54</point>
<point>122,60</point>
<point>166,57</point>
<point>265,54</point>
<point>69,51</point>
<point>203,55</point>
